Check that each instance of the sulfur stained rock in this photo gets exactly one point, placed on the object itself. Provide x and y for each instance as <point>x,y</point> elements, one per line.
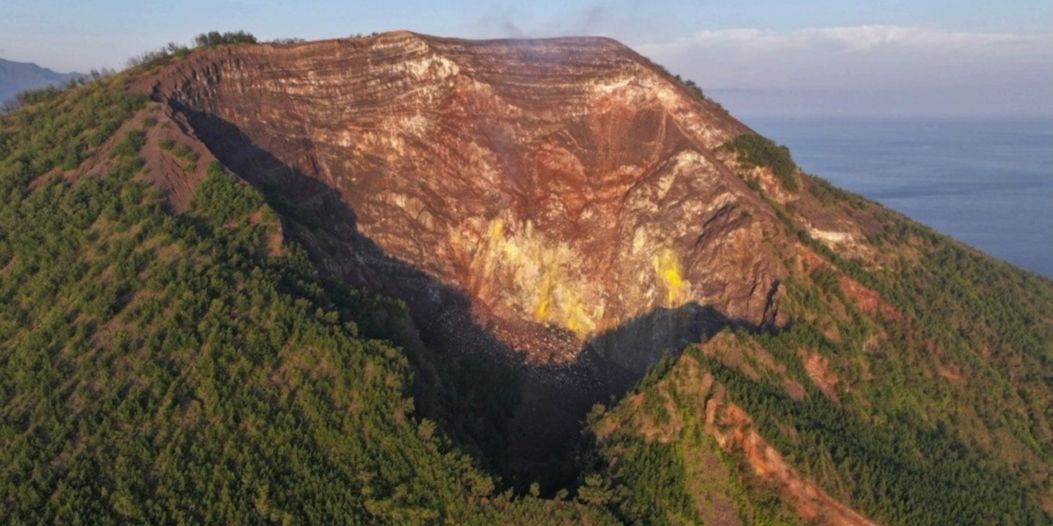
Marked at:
<point>564,187</point>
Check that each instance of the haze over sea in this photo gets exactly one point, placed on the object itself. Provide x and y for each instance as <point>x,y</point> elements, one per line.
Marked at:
<point>987,181</point>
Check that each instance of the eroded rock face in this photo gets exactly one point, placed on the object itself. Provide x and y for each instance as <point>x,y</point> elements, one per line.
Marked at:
<point>567,187</point>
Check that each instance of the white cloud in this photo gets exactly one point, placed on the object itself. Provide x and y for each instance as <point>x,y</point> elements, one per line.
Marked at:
<point>848,38</point>
<point>871,67</point>
<point>864,38</point>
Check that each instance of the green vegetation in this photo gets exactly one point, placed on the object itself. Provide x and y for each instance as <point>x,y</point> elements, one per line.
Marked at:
<point>59,132</point>
<point>948,417</point>
<point>159,56</point>
<point>755,150</point>
<point>159,368</point>
<point>174,50</point>
<point>943,416</point>
<point>215,38</point>
<point>898,471</point>
<point>181,152</point>
<point>172,368</point>
<point>654,464</point>
<point>222,198</point>
<point>896,464</point>
<point>129,145</point>
<point>691,86</point>
<point>652,485</point>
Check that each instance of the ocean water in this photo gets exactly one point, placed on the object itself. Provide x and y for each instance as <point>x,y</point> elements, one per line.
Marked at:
<point>985,181</point>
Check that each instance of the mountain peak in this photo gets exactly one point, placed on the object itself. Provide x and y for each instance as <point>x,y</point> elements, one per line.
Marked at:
<point>539,177</point>
<point>563,202</point>
<point>16,77</point>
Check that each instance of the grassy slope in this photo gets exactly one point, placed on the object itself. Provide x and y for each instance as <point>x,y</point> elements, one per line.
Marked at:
<point>943,408</point>
<point>660,465</point>
<point>165,368</point>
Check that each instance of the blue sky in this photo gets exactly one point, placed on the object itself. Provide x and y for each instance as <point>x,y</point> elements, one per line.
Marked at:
<point>767,57</point>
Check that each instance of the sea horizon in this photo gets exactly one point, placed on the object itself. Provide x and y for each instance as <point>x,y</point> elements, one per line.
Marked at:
<point>985,180</point>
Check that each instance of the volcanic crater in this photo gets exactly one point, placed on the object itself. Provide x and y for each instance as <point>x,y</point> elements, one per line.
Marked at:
<point>564,204</point>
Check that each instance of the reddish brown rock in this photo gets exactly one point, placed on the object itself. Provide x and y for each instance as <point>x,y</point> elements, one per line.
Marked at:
<point>561,202</point>
<point>563,184</point>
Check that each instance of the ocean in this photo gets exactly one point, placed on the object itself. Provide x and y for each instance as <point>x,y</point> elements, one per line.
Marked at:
<point>985,181</point>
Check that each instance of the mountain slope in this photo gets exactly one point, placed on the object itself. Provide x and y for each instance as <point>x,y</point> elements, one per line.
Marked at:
<point>16,77</point>
<point>163,368</point>
<point>558,218</point>
<point>537,198</point>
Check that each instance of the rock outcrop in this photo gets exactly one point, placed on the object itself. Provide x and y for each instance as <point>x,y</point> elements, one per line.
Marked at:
<point>566,187</point>
<point>563,203</point>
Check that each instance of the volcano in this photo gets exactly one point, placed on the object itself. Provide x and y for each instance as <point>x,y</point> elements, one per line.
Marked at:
<point>598,278</point>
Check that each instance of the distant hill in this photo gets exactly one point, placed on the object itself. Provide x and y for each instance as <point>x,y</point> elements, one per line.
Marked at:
<point>16,77</point>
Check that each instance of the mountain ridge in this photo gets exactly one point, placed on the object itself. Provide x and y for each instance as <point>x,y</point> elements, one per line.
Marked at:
<point>398,153</point>
<point>16,77</point>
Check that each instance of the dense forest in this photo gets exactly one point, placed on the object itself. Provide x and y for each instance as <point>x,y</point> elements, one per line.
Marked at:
<point>164,368</point>
<point>179,367</point>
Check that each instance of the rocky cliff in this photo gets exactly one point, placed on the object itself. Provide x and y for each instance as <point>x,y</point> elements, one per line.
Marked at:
<point>565,187</point>
<point>567,205</point>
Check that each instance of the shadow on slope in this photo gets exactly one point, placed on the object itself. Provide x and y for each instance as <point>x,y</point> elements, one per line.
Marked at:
<point>520,418</point>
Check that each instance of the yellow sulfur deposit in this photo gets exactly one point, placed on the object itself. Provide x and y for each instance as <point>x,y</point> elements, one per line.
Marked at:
<point>540,276</point>
<point>667,268</point>
<point>547,280</point>
<point>544,293</point>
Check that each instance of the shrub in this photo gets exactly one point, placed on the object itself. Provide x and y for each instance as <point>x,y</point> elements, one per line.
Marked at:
<point>129,145</point>
<point>223,198</point>
<point>754,150</point>
<point>215,38</point>
<point>159,56</point>
<point>180,151</point>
